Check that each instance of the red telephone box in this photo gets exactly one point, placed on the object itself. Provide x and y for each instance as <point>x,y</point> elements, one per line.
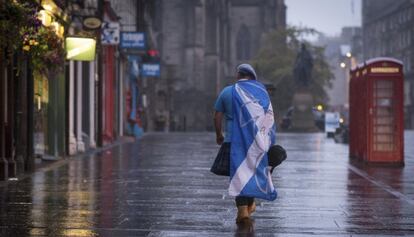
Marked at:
<point>376,112</point>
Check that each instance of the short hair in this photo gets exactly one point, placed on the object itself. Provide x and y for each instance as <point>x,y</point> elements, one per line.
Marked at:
<point>245,74</point>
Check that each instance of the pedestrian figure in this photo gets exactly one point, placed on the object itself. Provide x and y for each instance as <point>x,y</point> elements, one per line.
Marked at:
<point>250,132</point>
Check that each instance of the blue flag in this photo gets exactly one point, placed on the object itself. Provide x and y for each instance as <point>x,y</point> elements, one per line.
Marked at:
<point>253,134</point>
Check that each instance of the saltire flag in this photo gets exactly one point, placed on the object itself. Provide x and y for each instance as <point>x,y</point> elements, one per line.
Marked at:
<point>253,134</point>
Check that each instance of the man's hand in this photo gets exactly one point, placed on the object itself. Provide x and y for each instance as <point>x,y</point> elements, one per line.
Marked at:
<point>220,139</point>
<point>218,117</point>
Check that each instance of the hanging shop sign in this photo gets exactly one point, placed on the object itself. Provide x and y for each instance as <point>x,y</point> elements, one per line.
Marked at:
<point>132,40</point>
<point>150,70</point>
<point>92,22</point>
<point>80,49</point>
<point>110,33</point>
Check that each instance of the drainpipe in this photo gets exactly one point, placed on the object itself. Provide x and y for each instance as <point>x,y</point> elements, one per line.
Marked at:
<point>100,79</point>
<point>3,161</point>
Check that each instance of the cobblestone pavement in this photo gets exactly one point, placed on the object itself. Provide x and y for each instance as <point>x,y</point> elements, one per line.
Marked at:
<point>161,186</point>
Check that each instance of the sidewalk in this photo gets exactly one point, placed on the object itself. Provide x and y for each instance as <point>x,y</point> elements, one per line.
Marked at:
<point>161,186</point>
<point>45,165</point>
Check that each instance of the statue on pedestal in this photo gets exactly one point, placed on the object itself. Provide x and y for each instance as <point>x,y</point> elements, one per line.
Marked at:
<point>302,71</point>
<point>302,118</point>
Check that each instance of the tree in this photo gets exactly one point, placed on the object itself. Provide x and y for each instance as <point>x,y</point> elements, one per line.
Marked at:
<point>275,61</point>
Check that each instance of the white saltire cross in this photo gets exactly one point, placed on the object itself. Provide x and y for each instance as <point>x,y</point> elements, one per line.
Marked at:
<point>264,121</point>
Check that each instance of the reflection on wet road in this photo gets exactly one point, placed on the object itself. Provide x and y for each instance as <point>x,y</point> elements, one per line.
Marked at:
<point>161,186</point>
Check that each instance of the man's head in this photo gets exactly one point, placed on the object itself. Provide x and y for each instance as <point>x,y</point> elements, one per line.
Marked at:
<point>246,71</point>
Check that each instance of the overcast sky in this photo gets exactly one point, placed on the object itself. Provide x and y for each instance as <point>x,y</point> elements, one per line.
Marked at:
<point>326,16</point>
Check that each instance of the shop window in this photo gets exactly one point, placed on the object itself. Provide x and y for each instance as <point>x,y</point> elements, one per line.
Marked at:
<point>407,93</point>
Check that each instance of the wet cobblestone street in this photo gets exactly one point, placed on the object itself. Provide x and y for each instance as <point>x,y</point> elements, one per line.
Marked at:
<point>162,186</point>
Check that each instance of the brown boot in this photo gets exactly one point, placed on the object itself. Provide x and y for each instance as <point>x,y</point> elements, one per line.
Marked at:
<point>242,214</point>
<point>252,208</point>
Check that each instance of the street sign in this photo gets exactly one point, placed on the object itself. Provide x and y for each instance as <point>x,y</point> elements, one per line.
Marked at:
<point>110,33</point>
<point>150,70</point>
<point>132,40</point>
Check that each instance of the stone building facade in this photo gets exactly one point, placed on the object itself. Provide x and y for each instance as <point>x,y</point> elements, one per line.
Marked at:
<point>387,31</point>
<point>336,53</point>
<point>200,44</point>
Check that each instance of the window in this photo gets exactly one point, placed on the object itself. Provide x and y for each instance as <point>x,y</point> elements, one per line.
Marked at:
<point>407,99</point>
<point>243,43</point>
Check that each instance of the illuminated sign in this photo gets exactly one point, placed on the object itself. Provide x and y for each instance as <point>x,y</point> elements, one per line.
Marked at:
<point>150,70</point>
<point>80,49</point>
<point>385,70</point>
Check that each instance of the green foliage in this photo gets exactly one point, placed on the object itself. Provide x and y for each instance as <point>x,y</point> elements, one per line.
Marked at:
<point>275,62</point>
<point>13,16</point>
<point>45,49</point>
<point>21,30</point>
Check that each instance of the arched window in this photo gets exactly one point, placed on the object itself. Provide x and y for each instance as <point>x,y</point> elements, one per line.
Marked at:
<point>243,43</point>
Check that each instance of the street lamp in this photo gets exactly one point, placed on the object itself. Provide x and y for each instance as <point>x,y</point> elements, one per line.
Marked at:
<point>348,55</point>
<point>45,17</point>
<point>319,107</point>
<point>342,65</point>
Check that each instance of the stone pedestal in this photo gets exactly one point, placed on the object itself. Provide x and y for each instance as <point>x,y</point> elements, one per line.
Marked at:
<point>302,117</point>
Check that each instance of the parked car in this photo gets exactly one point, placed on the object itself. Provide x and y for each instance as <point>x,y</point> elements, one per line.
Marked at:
<point>332,122</point>
<point>342,134</point>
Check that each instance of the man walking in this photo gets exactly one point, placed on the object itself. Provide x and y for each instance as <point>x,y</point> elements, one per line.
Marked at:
<point>250,132</point>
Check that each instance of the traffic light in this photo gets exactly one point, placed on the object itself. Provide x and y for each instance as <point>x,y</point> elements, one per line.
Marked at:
<point>152,55</point>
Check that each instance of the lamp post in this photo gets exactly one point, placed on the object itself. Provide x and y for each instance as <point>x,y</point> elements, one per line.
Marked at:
<point>347,64</point>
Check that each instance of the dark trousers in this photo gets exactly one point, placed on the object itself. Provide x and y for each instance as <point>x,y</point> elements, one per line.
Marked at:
<point>225,152</point>
<point>244,201</point>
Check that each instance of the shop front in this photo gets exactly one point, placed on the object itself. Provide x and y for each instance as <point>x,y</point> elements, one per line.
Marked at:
<point>111,95</point>
<point>32,83</point>
<point>49,82</point>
